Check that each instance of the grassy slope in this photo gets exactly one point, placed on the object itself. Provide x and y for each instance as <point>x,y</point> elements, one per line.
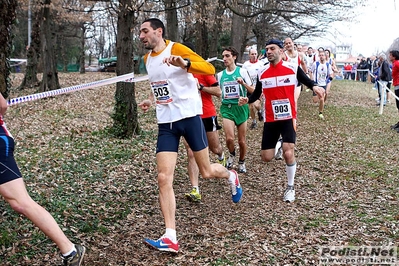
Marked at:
<point>103,191</point>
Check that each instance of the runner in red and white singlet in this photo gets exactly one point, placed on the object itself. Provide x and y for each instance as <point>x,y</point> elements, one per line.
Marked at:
<point>277,82</point>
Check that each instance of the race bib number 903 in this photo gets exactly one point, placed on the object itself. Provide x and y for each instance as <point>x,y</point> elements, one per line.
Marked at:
<point>282,109</point>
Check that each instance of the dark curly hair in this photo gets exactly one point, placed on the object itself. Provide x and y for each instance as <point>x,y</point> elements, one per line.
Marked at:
<point>395,54</point>
<point>232,50</point>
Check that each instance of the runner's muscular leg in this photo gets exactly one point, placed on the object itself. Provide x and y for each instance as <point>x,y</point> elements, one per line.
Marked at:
<point>228,126</point>
<point>242,142</point>
<point>207,169</point>
<point>288,153</point>
<point>14,192</point>
<point>267,155</point>
<point>214,142</point>
<point>166,162</point>
<point>252,110</point>
<point>192,166</point>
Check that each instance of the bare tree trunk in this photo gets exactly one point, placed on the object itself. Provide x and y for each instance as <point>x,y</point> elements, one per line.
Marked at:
<point>50,75</point>
<point>62,54</point>
<point>125,111</point>
<point>7,16</point>
<point>239,34</point>
<point>82,50</point>
<point>202,29</point>
<point>30,79</point>
<point>172,28</point>
<point>260,34</point>
<point>215,31</point>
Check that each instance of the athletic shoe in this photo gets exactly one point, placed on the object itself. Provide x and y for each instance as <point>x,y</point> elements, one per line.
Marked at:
<point>260,115</point>
<point>321,116</point>
<point>236,189</point>
<point>241,167</point>
<point>76,258</point>
<point>193,196</point>
<point>279,154</point>
<point>395,126</point>
<point>230,162</point>
<point>253,125</point>
<point>222,161</point>
<point>279,150</point>
<point>163,244</point>
<point>289,194</point>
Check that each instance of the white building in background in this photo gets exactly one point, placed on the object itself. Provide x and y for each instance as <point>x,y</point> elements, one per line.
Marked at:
<point>343,52</point>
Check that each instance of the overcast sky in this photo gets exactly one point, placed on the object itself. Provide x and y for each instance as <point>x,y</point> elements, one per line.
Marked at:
<point>376,28</point>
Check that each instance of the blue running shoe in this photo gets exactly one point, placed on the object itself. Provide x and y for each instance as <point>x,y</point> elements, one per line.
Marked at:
<point>163,244</point>
<point>236,189</point>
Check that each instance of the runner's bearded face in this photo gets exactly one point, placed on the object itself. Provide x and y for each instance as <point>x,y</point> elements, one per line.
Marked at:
<point>273,53</point>
<point>148,36</point>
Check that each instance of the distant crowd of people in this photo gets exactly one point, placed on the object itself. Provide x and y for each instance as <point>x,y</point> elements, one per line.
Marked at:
<point>360,69</point>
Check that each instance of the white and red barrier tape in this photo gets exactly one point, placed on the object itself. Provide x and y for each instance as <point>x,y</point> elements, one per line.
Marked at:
<point>123,78</point>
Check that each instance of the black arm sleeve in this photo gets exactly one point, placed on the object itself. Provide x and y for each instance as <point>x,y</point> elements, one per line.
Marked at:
<point>257,92</point>
<point>304,79</point>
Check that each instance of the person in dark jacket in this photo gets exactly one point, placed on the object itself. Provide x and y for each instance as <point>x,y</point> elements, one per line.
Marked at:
<point>362,70</point>
<point>384,77</point>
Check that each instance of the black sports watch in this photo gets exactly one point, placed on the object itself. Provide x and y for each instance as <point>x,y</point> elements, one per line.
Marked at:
<point>188,63</point>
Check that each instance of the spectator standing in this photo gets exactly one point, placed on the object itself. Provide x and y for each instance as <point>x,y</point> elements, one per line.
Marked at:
<point>384,77</point>
<point>394,58</point>
<point>347,70</point>
<point>374,67</point>
<point>353,71</point>
<point>363,70</point>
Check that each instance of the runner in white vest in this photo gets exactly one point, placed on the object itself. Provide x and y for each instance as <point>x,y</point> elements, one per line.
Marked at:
<point>178,106</point>
<point>253,65</point>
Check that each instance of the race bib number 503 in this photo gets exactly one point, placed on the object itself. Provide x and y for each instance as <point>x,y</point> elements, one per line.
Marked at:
<point>161,91</point>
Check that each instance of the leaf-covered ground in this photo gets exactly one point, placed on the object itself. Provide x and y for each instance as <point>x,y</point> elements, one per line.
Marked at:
<point>103,190</point>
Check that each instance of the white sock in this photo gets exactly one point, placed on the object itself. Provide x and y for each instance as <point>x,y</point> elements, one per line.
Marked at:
<point>196,188</point>
<point>221,157</point>
<point>232,177</point>
<point>291,170</point>
<point>171,234</point>
<point>69,252</point>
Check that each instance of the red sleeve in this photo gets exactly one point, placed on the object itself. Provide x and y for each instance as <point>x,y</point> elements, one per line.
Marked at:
<point>206,80</point>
